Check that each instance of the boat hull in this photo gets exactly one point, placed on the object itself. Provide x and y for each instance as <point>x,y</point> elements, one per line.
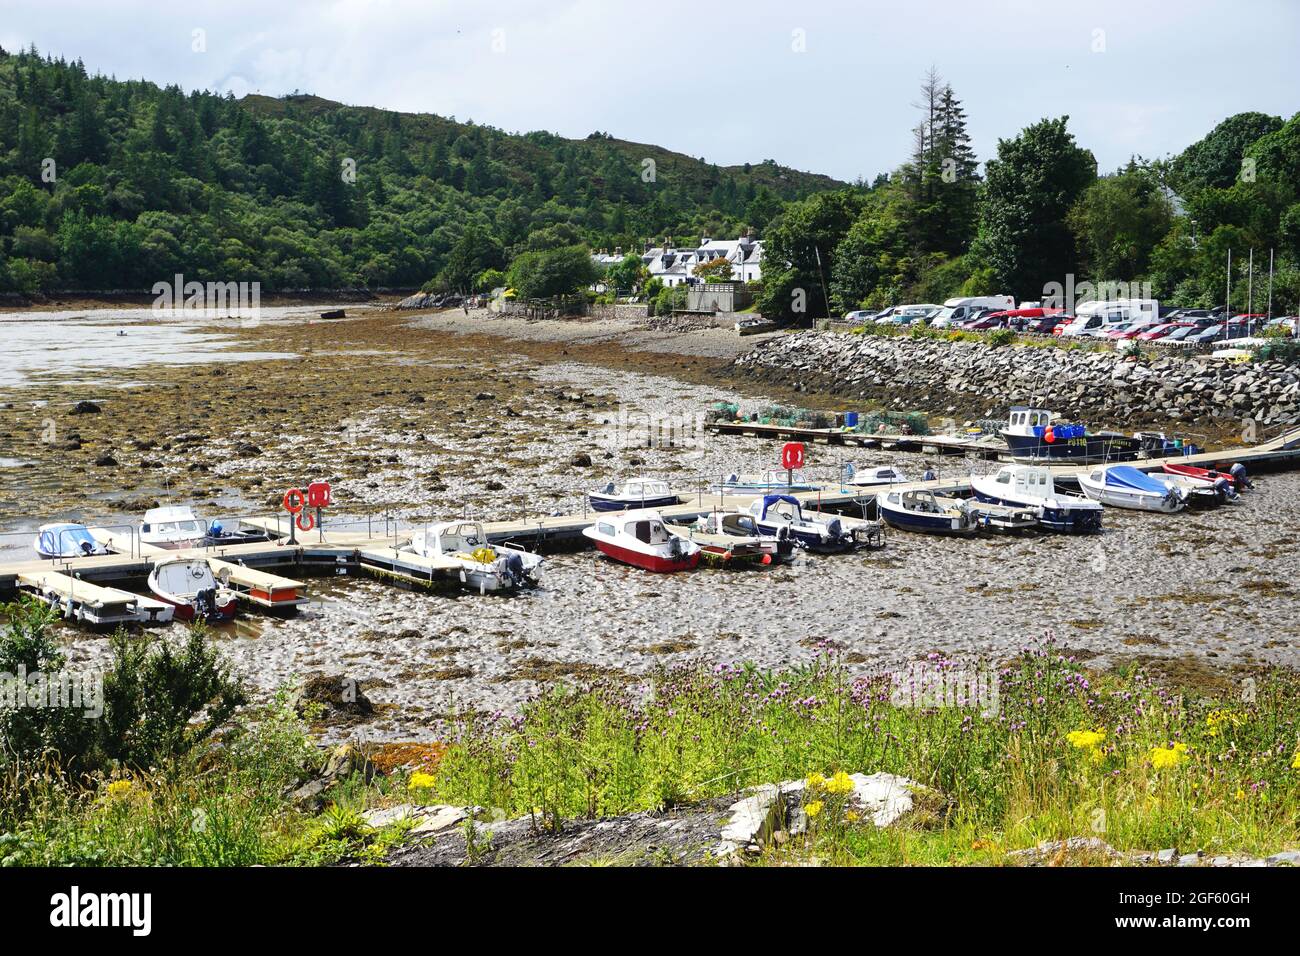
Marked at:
<point>1092,449</point>
<point>602,503</point>
<point>185,611</point>
<point>646,561</point>
<point>1064,518</point>
<point>926,523</point>
<point>1133,500</point>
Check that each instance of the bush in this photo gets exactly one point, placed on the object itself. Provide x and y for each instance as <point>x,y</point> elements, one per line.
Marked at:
<point>1000,337</point>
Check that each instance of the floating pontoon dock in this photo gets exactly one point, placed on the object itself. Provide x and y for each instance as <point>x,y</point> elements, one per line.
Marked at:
<point>76,584</point>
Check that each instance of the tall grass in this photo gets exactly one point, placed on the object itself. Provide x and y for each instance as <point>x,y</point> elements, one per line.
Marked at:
<point>1063,753</point>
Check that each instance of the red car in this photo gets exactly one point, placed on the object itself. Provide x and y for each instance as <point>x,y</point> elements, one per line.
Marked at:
<point>1132,330</point>
<point>1160,331</point>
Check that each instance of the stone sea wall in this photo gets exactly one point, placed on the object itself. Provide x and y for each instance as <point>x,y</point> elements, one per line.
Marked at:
<point>957,377</point>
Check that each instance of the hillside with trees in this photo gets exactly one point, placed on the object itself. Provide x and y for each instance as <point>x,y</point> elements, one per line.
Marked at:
<point>304,193</point>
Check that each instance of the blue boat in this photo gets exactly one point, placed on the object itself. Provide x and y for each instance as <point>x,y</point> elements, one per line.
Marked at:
<point>635,493</point>
<point>783,516</point>
<point>1032,435</point>
<point>1025,486</point>
<point>927,512</point>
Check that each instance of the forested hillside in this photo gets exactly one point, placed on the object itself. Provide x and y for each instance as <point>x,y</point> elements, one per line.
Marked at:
<point>301,192</point>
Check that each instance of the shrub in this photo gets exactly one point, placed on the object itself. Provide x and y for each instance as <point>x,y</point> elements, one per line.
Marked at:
<point>1000,337</point>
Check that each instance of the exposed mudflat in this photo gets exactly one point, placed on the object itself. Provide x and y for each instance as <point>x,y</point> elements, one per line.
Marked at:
<point>428,417</point>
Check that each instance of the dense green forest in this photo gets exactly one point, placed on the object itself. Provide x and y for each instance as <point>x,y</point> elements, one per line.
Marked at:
<point>301,192</point>
<point>935,228</point>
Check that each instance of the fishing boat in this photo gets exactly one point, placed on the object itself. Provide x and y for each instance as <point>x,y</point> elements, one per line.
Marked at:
<point>1123,486</point>
<point>189,585</point>
<point>1027,486</point>
<point>639,493</point>
<point>929,513</point>
<point>775,480</point>
<point>66,541</point>
<point>640,538</point>
<point>1033,435</point>
<point>174,527</point>
<point>481,566</point>
<point>824,534</point>
<point>1235,477</point>
<point>870,477</point>
<point>732,537</point>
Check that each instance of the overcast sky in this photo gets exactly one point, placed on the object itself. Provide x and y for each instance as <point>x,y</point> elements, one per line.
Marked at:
<point>821,85</point>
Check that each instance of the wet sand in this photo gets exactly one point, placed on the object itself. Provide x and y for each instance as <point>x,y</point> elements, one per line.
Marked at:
<point>429,417</point>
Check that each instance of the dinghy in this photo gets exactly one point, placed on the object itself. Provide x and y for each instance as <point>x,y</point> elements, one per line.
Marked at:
<point>929,513</point>
<point>66,541</point>
<point>1198,494</point>
<point>1026,486</point>
<point>639,493</point>
<point>1211,477</point>
<point>870,477</point>
<point>732,537</point>
<point>824,534</point>
<point>189,585</point>
<point>174,528</point>
<point>639,538</point>
<point>482,567</point>
<point>1123,486</point>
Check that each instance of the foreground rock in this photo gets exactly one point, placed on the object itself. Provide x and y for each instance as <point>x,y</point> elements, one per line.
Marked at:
<point>1106,386</point>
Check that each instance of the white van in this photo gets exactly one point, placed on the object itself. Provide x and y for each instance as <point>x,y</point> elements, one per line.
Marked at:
<point>1093,318</point>
<point>906,314</point>
<point>957,311</point>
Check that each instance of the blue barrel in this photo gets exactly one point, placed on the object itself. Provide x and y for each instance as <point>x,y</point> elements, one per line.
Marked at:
<point>850,419</point>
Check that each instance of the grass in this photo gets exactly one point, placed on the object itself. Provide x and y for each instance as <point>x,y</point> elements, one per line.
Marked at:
<point>1154,769</point>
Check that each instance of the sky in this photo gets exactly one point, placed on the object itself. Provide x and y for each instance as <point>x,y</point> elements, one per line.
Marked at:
<point>821,85</point>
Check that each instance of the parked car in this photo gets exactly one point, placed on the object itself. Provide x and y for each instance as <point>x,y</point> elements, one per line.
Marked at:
<point>906,314</point>
<point>1129,330</point>
<point>861,315</point>
<point>1155,333</point>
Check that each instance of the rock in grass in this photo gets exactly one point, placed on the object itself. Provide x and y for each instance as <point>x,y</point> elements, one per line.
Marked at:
<point>580,460</point>
<point>338,694</point>
<point>86,408</point>
<point>105,461</point>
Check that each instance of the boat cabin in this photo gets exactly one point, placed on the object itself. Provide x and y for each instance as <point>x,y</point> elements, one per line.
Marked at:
<point>454,536</point>
<point>177,521</point>
<point>646,528</point>
<point>1023,421</point>
<point>635,489</point>
<point>184,578</point>
<point>1027,479</point>
<point>923,502</point>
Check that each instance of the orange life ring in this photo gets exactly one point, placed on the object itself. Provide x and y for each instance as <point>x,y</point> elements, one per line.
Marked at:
<point>289,496</point>
<point>305,521</point>
<point>1049,436</point>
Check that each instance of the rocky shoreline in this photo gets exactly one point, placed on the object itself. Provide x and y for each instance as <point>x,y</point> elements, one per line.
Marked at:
<point>946,376</point>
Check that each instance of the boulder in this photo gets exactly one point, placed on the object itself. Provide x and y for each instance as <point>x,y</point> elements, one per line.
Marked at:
<point>338,694</point>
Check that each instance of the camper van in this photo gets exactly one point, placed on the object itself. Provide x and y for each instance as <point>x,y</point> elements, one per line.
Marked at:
<point>957,311</point>
<point>1094,319</point>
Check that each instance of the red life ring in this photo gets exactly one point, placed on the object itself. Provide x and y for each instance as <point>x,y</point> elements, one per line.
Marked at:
<point>1049,436</point>
<point>291,495</point>
<point>305,521</point>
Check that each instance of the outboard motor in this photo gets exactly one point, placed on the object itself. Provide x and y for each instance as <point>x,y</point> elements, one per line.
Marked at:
<point>1224,489</point>
<point>515,568</point>
<point>835,529</point>
<point>205,603</point>
<point>1238,472</point>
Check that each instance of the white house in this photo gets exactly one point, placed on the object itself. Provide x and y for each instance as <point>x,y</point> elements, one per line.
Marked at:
<point>677,266</point>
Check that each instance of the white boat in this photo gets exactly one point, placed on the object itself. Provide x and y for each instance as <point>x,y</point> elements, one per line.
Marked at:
<point>189,585</point>
<point>870,477</point>
<point>823,533</point>
<point>731,536</point>
<point>174,527</point>
<point>1123,486</point>
<point>1031,486</point>
<point>640,493</point>
<point>640,538</point>
<point>66,541</point>
<point>482,566</point>
<point>773,480</point>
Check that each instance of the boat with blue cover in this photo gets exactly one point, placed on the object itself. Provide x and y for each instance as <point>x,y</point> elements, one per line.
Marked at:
<point>1123,486</point>
<point>1027,486</point>
<point>66,540</point>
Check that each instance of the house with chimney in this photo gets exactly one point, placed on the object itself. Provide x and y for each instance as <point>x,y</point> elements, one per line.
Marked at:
<point>674,266</point>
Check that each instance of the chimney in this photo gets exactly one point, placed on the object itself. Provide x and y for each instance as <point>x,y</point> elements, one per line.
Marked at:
<point>618,250</point>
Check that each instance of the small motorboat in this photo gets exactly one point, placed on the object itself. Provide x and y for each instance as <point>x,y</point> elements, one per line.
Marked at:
<point>775,480</point>
<point>1235,476</point>
<point>175,528</point>
<point>871,477</point>
<point>731,538</point>
<point>1198,494</point>
<point>929,513</point>
<point>639,493</point>
<point>1031,487</point>
<point>641,539</point>
<point>189,585</point>
<point>1123,486</point>
<point>824,534</point>
<point>483,567</point>
<point>66,541</point>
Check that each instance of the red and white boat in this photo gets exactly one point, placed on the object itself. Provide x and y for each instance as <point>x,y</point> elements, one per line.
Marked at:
<point>1209,477</point>
<point>189,585</point>
<point>640,539</point>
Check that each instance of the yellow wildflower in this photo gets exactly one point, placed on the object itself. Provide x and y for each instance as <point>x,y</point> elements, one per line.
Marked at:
<point>1217,719</point>
<point>421,781</point>
<point>851,816</point>
<point>1240,794</point>
<point>1086,739</point>
<point>840,783</point>
<point>1166,758</point>
<point>119,788</point>
<point>816,782</point>
<point>813,808</point>
<point>1295,761</point>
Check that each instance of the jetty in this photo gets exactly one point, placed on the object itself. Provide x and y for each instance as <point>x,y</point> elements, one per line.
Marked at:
<point>84,588</point>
